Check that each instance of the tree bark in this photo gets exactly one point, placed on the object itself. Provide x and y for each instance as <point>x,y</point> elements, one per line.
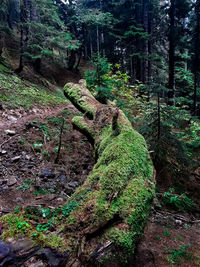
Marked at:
<point>22,44</point>
<point>146,43</point>
<point>196,56</point>
<point>171,84</point>
<point>120,184</point>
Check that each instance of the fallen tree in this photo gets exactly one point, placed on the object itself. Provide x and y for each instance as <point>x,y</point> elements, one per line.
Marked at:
<point>104,219</point>
<point>114,202</point>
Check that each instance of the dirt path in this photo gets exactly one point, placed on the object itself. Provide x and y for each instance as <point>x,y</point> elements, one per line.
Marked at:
<point>19,162</point>
<point>15,120</point>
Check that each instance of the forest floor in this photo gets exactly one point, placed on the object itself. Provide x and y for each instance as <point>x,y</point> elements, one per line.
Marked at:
<point>29,176</point>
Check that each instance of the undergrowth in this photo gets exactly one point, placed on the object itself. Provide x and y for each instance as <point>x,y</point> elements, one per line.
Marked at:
<point>15,92</point>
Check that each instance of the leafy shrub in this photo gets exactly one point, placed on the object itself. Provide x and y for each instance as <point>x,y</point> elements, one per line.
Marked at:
<point>178,254</point>
<point>180,202</point>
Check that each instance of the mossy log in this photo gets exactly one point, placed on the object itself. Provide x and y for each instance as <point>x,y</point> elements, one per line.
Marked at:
<point>114,202</point>
<point>105,217</point>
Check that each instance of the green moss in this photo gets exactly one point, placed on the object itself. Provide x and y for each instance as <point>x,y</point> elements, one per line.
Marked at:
<point>18,226</point>
<point>16,92</point>
<point>74,94</point>
<point>121,183</point>
<point>80,123</point>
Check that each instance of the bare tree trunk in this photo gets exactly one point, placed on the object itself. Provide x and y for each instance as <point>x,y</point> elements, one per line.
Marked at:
<point>171,84</point>
<point>196,56</point>
<point>22,44</point>
<point>91,46</point>
<point>146,43</point>
<point>85,41</point>
<point>158,122</point>
<point>150,26</point>
<point>98,46</point>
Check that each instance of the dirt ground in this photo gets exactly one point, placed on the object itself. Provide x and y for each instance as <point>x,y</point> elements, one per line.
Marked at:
<point>21,162</point>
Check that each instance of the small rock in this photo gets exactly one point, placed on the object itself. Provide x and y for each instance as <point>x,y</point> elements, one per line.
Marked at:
<point>37,264</point>
<point>32,124</point>
<point>11,181</point>
<point>3,152</point>
<point>7,164</point>
<point>51,197</point>
<point>10,132</point>
<point>19,200</point>
<point>15,158</point>
<point>3,182</point>
<point>4,250</point>
<point>68,190</point>
<point>179,222</point>
<point>12,118</point>
<point>30,166</point>
<point>28,157</point>
<point>4,188</point>
<point>62,179</point>
<point>46,174</point>
<point>53,259</point>
<point>60,199</point>
<point>73,184</point>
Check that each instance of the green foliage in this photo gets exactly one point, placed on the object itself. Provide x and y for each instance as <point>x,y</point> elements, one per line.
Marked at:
<point>137,31</point>
<point>23,226</point>
<point>161,132</point>
<point>180,202</point>
<point>166,233</point>
<point>67,209</point>
<point>108,81</point>
<point>48,37</point>
<point>25,186</point>
<point>96,80</point>
<point>27,94</point>
<point>177,255</point>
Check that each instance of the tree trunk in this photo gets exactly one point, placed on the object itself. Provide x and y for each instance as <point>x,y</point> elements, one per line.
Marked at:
<point>91,46</point>
<point>146,43</point>
<point>150,26</point>
<point>171,38</point>
<point>114,199</point>
<point>138,43</point>
<point>98,45</point>
<point>72,60</point>
<point>22,44</point>
<point>196,56</point>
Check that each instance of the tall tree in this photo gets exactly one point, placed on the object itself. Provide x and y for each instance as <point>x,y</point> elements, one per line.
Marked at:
<point>196,58</point>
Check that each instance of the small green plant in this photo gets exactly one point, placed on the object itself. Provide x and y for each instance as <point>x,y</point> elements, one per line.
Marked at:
<point>42,227</point>
<point>180,202</point>
<point>158,237</point>
<point>67,209</point>
<point>177,255</point>
<point>23,226</point>
<point>46,213</point>
<point>34,235</point>
<point>38,146</point>
<point>21,141</point>
<point>166,233</point>
<point>55,120</point>
<point>25,186</point>
<point>40,191</point>
<point>179,238</point>
<point>46,154</point>
<point>17,209</point>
